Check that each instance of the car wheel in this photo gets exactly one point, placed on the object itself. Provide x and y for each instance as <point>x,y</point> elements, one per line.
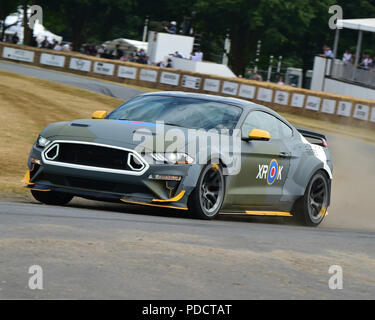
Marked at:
<point>51,197</point>
<point>312,208</point>
<point>207,198</point>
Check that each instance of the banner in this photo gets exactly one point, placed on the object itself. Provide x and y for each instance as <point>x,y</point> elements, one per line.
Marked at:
<point>80,64</point>
<point>18,54</point>
<point>372,118</point>
<point>344,108</point>
<point>104,68</point>
<point>281,97</point>
<point>191,82</point>
<point>312,103</point>
<point>52,60</point>
<point>211,85</point>
<point>328,106</point>
<point>230,88</point>
<point>361,112</point>
<point>297,100</point>
<point>264,94</point>
<point>169,78</point>
<point>148,75</point>
<point>247,91</point>
<point>127,72</point>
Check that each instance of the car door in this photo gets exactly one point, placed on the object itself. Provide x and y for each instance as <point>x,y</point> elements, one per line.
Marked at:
<point>264,164</point>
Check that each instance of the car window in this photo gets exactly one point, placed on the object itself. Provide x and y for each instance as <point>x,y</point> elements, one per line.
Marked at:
<point>180,111</point>
<point>264,121</point>
<point>285,131</point>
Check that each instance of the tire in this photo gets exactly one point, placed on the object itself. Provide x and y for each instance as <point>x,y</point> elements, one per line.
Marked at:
<point>52,197</point>
<point>207,198</point>
<point>311,209</point>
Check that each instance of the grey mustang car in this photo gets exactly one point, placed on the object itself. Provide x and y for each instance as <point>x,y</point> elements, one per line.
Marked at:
<point>269,168</point>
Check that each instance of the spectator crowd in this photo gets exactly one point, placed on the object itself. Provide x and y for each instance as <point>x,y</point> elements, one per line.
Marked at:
<point>348,58</point>
<point>138,56</point>
<point>115,53</point>
<point>43,43</point>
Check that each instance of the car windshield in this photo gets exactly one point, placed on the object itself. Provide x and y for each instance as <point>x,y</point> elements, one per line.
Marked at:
<point>179,111</point>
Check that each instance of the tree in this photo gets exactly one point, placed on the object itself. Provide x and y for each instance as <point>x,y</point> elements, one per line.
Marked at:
<point>81,19</point>
<point>295,28</point>
<point>299,29</point>
<point>241,18</point>
<point>27,32</point>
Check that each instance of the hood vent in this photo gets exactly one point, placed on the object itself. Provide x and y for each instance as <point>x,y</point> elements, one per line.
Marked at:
<point>79,125</point>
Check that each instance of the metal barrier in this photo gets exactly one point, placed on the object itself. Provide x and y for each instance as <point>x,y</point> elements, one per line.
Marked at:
<point>349,72</point>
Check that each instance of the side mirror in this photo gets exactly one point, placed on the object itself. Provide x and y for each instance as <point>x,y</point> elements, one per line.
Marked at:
<point>99,114</point>
<point>257,134</point>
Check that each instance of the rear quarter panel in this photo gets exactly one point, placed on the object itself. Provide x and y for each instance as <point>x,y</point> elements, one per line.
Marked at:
<point>306,160</point>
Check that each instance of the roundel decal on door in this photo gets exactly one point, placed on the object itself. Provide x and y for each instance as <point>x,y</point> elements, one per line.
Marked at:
<point>273,169</point>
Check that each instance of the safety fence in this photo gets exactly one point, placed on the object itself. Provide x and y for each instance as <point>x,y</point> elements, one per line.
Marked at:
<point>314,104</point>
<point>352,73</point>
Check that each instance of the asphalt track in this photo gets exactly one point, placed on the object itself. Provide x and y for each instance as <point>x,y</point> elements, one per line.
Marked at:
<point>110,89</point>
<point>97,250</point>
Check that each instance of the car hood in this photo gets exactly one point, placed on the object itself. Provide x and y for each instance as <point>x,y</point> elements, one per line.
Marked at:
<point>117,132</point>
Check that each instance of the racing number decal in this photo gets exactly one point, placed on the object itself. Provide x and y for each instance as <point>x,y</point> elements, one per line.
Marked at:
<point>273,170</point>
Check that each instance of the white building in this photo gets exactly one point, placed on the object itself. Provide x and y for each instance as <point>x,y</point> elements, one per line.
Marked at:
<point>162,45</point>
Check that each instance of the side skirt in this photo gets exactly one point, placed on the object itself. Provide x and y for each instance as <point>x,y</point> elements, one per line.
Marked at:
<point>259,213</point>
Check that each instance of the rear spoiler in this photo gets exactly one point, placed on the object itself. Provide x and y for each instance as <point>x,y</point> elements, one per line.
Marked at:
<point>322,140</point>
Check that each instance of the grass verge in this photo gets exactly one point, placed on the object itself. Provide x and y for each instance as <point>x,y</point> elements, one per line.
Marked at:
<point>27,105</point>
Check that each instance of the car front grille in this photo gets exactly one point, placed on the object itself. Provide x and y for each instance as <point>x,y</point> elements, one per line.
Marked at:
<point>90,155</point>
<point>94,185</point>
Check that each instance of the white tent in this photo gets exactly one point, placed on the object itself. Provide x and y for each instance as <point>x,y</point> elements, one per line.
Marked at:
<point>126,44</point>
<point>357,24</point>
<point>367,24</point>
<point>39,30</point>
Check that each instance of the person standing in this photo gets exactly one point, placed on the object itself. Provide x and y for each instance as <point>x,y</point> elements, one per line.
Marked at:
<point>169,63</point>
<point>66,47</point>
<point>172,28</point>
<point>100,52</point>
<point>34,43</point>
<point>198,55</point>
<point>57,46</point>
<point>15,38</point>
<point>281,81</point>
<point>117,53</point>
<point>366,62</point>
<point>44,44</point>
<point>327,52</point>
<point>347,57</point>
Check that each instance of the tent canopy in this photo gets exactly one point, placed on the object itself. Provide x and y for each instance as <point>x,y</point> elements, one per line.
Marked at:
<point>361,25</point>
<point>357,24</point>
<point>126,44</point>
<point>39,31</point>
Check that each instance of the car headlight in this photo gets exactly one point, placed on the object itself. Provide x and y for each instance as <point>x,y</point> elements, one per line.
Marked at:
<point>42,142</point>
<point>173,158</point>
